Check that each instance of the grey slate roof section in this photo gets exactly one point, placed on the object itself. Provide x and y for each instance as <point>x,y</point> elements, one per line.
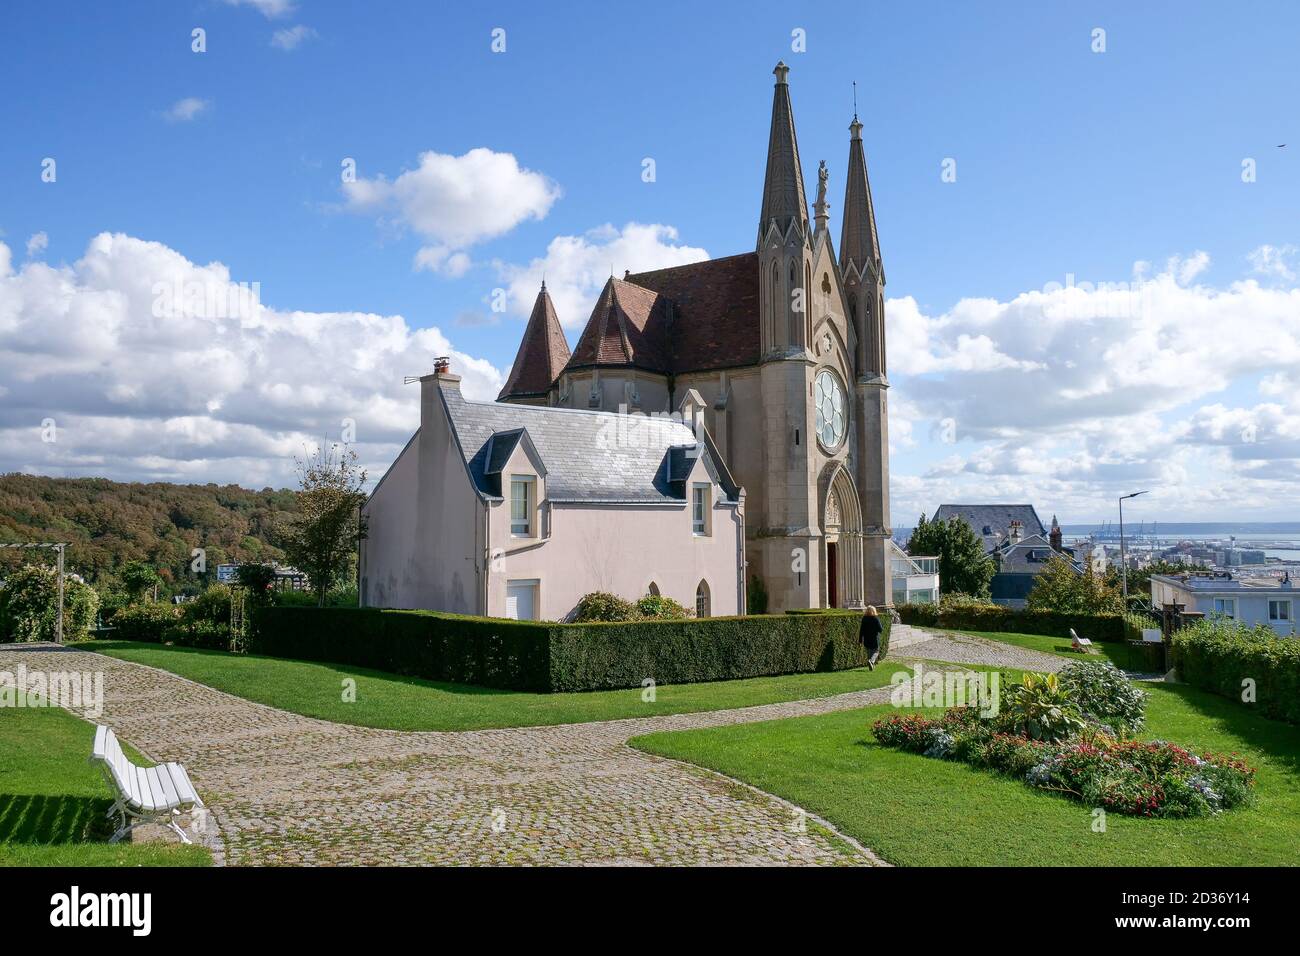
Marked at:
<point>587,458</point>
<point>990,522</point>
<point>1029,556</point>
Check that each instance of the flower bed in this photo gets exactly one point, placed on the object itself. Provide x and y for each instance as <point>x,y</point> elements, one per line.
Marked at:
<point>1135,778</point>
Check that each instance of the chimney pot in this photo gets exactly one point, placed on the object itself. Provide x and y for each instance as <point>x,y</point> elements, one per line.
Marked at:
<point>442,365</point>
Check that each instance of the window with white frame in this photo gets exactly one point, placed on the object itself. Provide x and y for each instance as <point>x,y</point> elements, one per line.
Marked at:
<point>1225,606</point>
<point>701,504</point>
<point>523,499</point>
<point>1279,610</point>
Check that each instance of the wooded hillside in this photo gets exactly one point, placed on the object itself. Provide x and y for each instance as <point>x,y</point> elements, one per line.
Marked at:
<point>109,523</point>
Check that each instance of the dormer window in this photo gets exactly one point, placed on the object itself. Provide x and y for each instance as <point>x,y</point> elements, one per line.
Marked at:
<point>523,500</point>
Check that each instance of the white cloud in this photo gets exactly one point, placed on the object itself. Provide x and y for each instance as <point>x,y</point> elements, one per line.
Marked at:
<point>1068,395</point>
<point>577,267</point>
<point>290,38</point>
<point>6,257</point>
<point>146,379</point>
<point>271,9</point>
<point>37,244</point>
<point>1276,262</point>
<point>182,111</point>
<point>456,202</point>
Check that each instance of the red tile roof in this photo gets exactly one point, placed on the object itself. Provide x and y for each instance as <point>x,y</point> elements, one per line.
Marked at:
<point>714,311</point>
<point>628,327</point>
<point>542,355</point>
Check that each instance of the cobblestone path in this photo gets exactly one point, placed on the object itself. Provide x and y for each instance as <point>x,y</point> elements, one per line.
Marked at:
<point>292,790</point>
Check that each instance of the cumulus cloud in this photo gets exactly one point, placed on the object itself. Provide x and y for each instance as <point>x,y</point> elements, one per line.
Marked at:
<point>271,9</point>
<point>37,244</point>
<point>155,367</point>
<point>1067,395</point>
<point>290,38</point>
<point>455,202</point>
<point>577,267</point>
<point>182,111</point>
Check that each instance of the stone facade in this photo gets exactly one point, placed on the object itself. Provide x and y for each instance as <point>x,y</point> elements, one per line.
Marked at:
<point>785,348</point>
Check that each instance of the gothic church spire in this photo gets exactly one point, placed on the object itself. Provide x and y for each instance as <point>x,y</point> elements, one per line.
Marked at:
<point>783,194</point>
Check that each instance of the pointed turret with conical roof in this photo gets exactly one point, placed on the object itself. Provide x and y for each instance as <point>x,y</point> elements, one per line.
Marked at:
<point>783,195</point>
<point>542,355</point>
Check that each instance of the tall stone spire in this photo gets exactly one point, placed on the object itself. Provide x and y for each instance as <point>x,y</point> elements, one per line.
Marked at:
<point>860,262</point>
<point>543,353</point>
<point>783,195</point>
<point>859,243</point>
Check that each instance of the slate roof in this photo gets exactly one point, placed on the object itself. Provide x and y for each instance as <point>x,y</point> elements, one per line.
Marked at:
<point>1028,556</point>
<point>991,522</point>
<point>542,354</point>
<point>586,456</point>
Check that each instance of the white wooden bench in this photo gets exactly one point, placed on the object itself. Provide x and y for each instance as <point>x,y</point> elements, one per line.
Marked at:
<point>144,794</point>
<point>1081,644</point>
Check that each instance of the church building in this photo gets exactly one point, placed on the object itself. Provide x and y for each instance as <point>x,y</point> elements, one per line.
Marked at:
<point>718,435</point>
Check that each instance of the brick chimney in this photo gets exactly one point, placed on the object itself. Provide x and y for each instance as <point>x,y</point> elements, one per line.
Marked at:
<point>1055,536</point>
<point>1014,532</point>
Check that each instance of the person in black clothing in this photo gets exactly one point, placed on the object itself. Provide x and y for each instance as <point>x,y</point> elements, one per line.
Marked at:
<point>869,634</point>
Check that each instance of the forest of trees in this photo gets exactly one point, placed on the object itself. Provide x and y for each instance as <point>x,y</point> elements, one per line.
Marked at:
<point>109,524</point>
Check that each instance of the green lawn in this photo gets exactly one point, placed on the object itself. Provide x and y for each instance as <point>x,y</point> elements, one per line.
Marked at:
<point>53,802</point>
<point>918,811</point>
<point>409,703</point>
<point>1120,654</point>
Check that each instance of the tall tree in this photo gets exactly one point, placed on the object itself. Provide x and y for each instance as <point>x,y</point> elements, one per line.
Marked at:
<point>138,579</point>
<point>964,568</point>
<point>322,537</point>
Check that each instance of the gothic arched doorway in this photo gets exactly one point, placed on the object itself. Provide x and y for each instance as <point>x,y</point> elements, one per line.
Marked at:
<point>841,539</point>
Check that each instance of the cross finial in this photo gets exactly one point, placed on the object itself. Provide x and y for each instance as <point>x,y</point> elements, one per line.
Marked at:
<point>855,99</point>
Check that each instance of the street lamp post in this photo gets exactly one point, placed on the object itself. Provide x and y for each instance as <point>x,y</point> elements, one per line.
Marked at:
<point>1123,555</point>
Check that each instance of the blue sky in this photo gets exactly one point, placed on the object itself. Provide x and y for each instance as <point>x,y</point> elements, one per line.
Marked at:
<point>1068,161</point>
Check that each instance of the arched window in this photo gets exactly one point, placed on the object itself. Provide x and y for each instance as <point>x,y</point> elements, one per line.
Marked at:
<point>653,590</point>
<point>702,599</point>
<point>775,309</point>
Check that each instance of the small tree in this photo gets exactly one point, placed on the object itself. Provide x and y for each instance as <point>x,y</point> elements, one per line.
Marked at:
<point>964,568</point>
<point>1062,588</point>
<point>138,579</point>
<point>322,537</point>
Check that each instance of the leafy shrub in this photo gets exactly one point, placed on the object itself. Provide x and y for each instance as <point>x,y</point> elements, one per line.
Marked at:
<point>603,606</point>
<point>212,606</point>
<point>1220,655</point>
<point>1039,708</point>
<point>205,634</point>
<point>655,607</point>
<point>979,616</point>
<point>547,656</point>
<point>1103,695</point>
<point>29,606</point>
<point>144,622</point>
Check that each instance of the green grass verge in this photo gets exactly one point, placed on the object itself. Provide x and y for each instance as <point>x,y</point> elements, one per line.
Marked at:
<point>1121,655</point>
<point>409,703</point>
<point>918,811</point>
<point>53,802</point>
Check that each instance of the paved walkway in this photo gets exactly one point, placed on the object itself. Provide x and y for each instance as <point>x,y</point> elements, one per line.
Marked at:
<point>906,641</point>
<point>292,790</point>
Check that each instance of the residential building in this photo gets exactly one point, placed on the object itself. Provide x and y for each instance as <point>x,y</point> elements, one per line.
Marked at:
<point>1249,599</point>
<point>915,578</point>
<point>1016,539</point>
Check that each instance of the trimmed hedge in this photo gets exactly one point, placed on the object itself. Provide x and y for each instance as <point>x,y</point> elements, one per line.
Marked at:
<point>1218,655</point>
<point>1096,627</point>
<point>550,657</point>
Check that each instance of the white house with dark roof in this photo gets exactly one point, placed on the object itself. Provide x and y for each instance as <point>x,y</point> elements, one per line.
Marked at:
<point>519,510</point>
